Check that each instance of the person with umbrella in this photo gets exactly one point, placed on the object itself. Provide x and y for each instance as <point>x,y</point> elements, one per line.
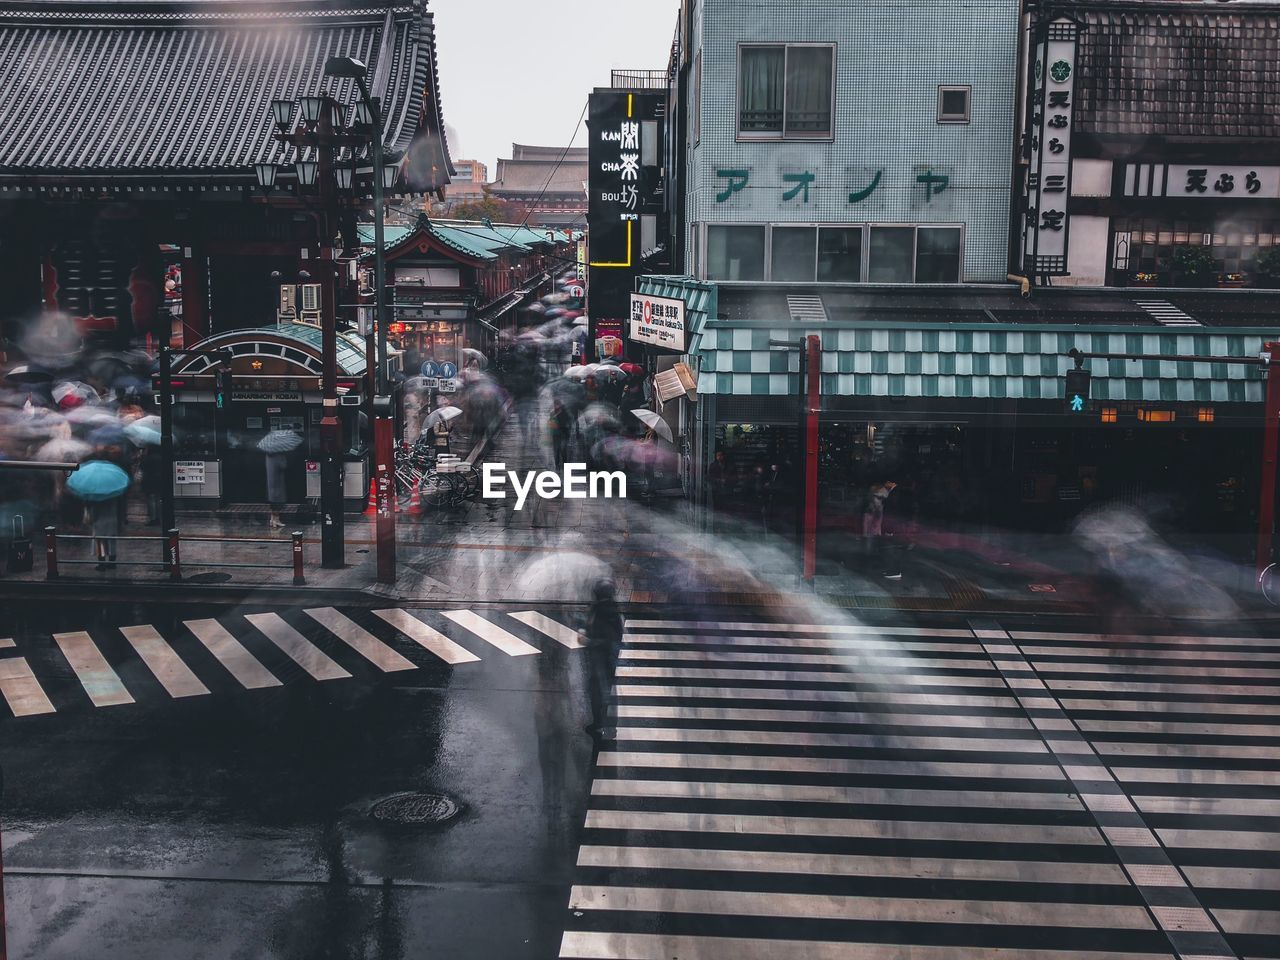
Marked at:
<point>439,425</point>
<point>100,484</point>
<point>276,447</point>
<point>603,640</point>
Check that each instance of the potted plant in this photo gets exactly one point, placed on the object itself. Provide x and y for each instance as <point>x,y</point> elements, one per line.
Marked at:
<point>1265,269</point>
<point>1193,267</point>
<point>1145,279</point>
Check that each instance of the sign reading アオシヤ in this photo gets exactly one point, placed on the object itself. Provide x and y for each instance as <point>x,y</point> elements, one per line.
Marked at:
<point>658,321</point>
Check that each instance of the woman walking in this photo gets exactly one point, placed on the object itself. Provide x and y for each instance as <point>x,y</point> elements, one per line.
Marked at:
<point>603,635</point>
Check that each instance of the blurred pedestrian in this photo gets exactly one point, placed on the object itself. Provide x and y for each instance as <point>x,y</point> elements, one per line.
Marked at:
<point>105,516</point>
<point>603,635</point>
<point>277,487</point>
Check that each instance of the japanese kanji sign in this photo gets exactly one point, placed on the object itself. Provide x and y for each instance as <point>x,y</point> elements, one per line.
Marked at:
<point>1048,178</point>
<point>658,321</point>
<point>1203,181</point>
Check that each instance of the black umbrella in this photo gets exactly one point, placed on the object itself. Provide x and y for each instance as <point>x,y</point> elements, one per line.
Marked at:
<point>28,373</point>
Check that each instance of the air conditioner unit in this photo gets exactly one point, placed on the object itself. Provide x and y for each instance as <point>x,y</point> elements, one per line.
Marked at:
<point>288,311</point>
<point>310,312</point>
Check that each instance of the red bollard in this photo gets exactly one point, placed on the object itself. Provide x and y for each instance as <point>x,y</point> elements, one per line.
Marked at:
<point>174,556</point>
<point>50,553</point>
<point>298,578</point>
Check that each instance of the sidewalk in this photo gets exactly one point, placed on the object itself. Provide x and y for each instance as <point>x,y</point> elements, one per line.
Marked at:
<point>554,551</point>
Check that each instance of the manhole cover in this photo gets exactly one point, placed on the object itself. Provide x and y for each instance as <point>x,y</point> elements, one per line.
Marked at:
<point>413,808</point>
<point>209,578</point>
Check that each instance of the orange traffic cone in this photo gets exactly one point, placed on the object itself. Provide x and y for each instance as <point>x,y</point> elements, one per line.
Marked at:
<point>372,509</point>
<point>415,498</point>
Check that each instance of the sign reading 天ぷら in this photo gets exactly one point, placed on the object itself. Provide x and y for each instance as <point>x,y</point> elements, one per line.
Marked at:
<point>658,321</point>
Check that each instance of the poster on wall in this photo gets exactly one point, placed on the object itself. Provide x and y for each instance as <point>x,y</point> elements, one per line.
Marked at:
<point>657,321</point>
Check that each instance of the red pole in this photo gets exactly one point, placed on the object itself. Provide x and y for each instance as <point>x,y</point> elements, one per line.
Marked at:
<point>298,578</point>
<point>175,558</point>
<point>814,347</point>
<point>1270,447</point>
<point>384,478</point>
<point>4,949</point>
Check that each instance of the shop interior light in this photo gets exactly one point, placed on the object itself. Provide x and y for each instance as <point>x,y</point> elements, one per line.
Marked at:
<point>282,113</point>
<point>1205,415</point>
<point>1110,415</point>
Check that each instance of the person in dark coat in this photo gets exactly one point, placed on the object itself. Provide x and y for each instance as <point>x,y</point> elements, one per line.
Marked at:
<point>277,487</point>
<point>106,527</point>
<point>603,636</point>
<point>153,482</point>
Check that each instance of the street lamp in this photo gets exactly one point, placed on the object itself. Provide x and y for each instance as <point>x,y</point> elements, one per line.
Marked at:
<point>266,173</point>
<point>349,68</point>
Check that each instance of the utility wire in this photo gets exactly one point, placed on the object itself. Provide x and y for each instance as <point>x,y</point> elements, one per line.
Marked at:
<point>563,153</point>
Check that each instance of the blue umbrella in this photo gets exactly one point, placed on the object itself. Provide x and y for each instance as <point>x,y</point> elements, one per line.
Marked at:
<point>98,480</point>
<point>142,434</point>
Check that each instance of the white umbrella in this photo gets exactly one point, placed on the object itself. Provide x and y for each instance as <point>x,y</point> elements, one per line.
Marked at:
<point>443,413</point>
<point>64,450</point>
<point>75,388</point>
<point>654,423</point>
<point>580,371</point>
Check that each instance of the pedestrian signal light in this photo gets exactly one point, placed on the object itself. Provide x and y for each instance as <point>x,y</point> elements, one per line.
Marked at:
<point>1077,395</point>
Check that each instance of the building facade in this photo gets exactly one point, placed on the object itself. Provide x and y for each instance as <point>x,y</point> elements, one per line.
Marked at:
<point>879,203</point>
<point>550,183</point>
<point>813,157</point>
<point>1175,181</point>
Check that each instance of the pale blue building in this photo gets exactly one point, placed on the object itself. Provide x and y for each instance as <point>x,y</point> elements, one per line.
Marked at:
<point>848,142</point>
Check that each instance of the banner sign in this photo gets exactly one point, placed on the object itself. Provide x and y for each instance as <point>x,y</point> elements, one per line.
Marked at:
<point>658,321</point>
<point>1048,179</point>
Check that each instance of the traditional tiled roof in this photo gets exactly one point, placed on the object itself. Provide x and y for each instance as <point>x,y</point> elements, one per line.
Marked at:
<point>1178,69</point>
<point>136,89</point>
<point>541,176</point>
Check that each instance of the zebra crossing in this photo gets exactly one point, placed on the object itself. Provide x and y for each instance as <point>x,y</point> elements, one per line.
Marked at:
<point>107,667</point>
<point>858,792</point>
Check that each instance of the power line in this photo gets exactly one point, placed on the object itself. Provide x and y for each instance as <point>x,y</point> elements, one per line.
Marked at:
<point>563,153</point>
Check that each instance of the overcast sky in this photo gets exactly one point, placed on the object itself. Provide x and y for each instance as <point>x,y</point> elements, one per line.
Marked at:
<point>520,70</point>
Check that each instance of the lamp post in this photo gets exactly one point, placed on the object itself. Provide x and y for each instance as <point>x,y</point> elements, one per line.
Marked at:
<point>368,114</point>
<point>321,135</point>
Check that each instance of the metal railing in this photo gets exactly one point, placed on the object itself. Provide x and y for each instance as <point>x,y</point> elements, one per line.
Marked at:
<point>638,79</point>
<point>172,562</point>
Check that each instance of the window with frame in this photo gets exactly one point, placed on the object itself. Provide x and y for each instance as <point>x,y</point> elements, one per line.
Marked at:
<point>786,91</point>
<point>735,253</point>
<point>805,253</point>
<point>953,103</point>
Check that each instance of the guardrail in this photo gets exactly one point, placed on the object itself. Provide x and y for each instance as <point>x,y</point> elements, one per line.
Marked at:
<point>172,562</point>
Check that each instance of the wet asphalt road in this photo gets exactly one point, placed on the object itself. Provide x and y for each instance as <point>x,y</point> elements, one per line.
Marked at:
<point>236,823</point>
<point>201,783</point>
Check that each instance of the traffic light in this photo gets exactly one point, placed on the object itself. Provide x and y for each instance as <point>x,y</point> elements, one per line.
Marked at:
<point>1077,396</point>
<point>222,391</point>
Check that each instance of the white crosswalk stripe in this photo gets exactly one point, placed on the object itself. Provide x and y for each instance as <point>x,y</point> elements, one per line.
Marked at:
<point>297,647</point>
<point>428,637</point>
<point>164,653</point>
<point>231,653</point>
<point>170,669</point>
<point>824,790</point>
<point>366,644</point>
<point>100,682</point>
<point>21,690</point>
<point>490,632</point>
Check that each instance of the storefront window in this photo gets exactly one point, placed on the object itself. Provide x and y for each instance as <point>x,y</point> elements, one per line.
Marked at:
<point>1143,249</point>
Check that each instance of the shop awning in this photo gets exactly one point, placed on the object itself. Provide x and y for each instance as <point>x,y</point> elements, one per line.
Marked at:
<point>983,361</point>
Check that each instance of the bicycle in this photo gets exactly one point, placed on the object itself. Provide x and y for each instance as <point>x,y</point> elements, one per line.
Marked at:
<point>1269,584</point>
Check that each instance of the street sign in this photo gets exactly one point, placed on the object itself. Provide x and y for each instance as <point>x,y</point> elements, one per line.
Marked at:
<point>431,369</point>
<point>449,385</point>
<point>448,370</point>
<point>1077,393</point>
